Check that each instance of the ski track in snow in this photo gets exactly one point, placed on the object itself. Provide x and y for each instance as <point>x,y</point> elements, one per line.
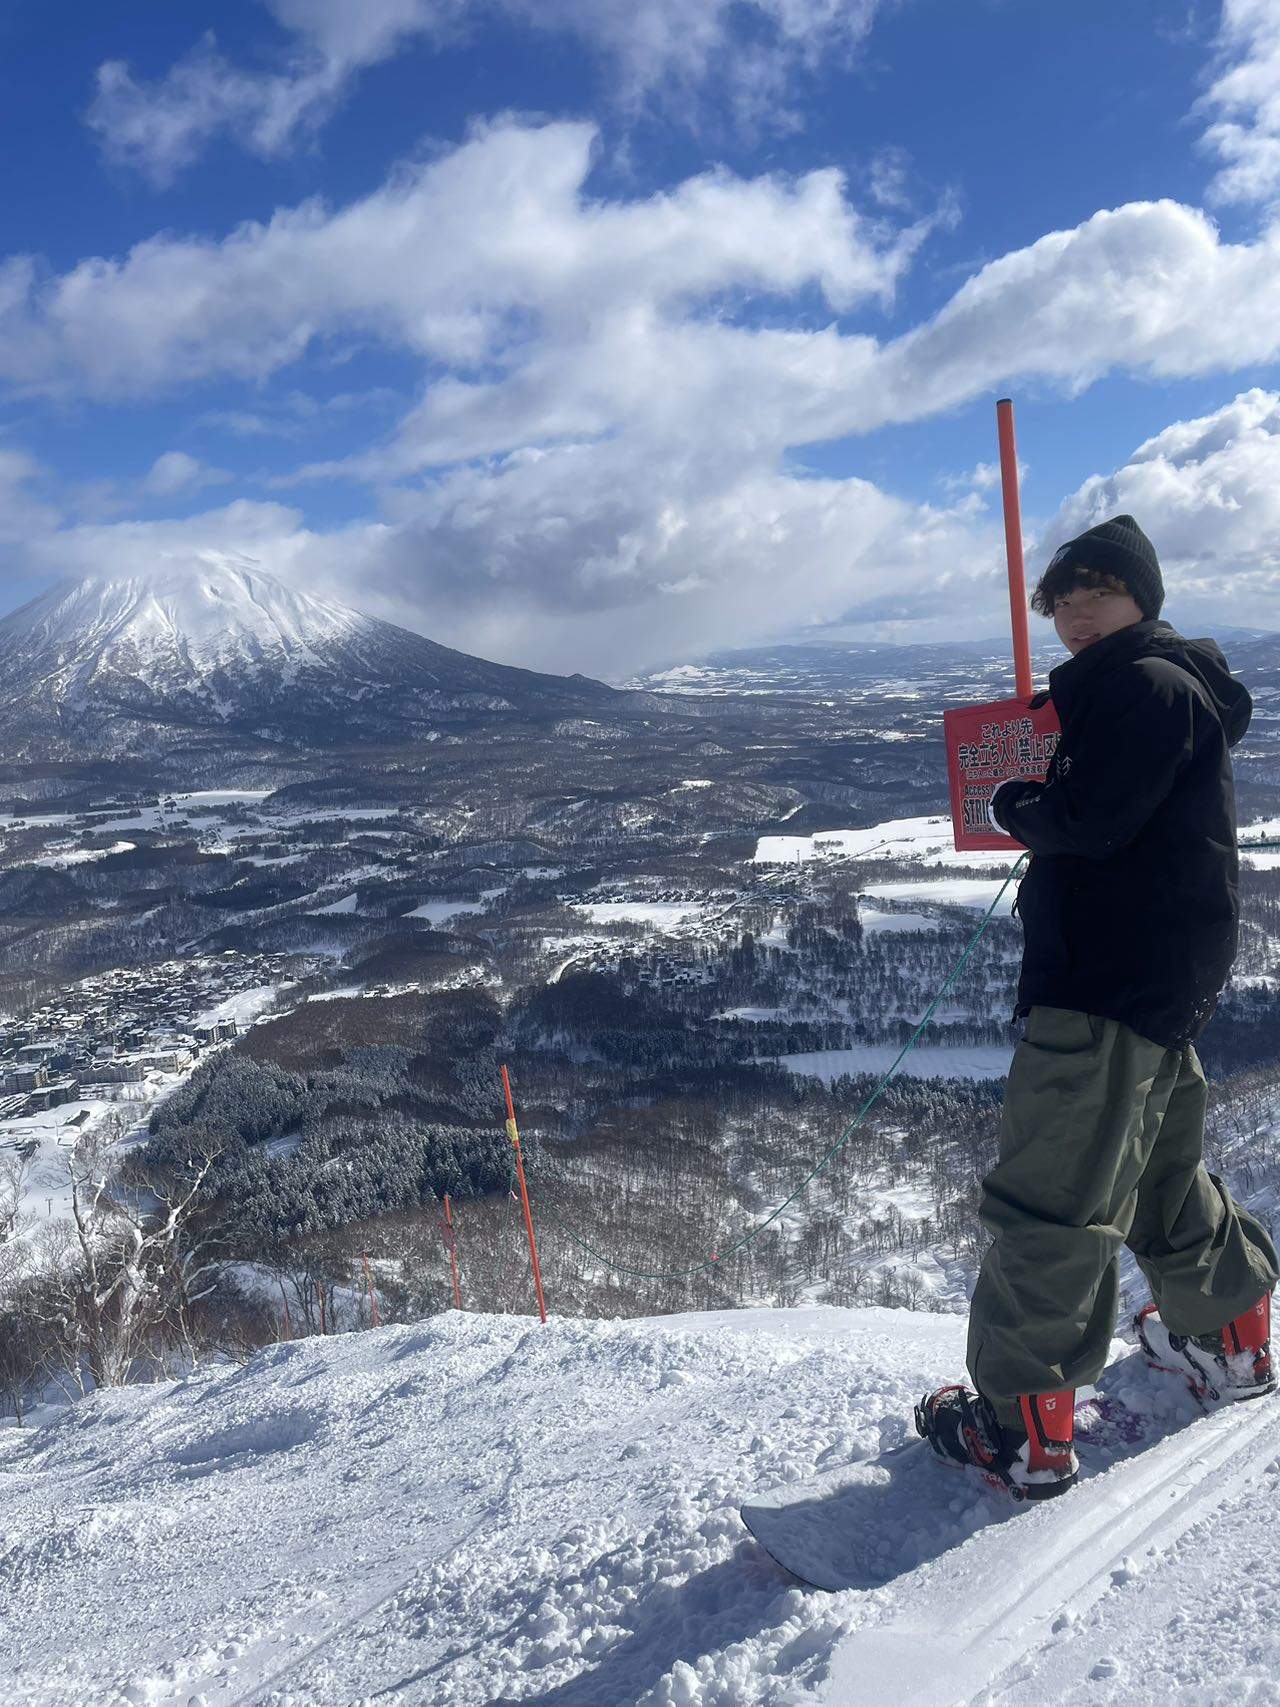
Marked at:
<point>473,1511</point>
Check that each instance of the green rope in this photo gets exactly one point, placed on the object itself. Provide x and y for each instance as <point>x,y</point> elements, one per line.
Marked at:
<point>755,1232</point>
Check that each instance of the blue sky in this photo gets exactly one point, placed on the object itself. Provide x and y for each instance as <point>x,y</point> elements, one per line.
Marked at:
<point>595,334</point>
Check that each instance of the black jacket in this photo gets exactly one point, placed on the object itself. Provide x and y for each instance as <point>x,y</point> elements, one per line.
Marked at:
<point>1129,904</point>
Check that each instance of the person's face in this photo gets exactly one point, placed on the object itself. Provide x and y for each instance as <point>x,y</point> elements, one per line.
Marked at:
<point>1086,614</point>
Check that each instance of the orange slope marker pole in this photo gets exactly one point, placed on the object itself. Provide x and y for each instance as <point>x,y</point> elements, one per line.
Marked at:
<point>451,1240</point>
<point>1013,548</point>
<point>514,1136</point>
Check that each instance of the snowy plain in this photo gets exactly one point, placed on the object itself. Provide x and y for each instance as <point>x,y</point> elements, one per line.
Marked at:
<point>477,1510</point>
<point>928,840</point>
<point>926,1061</point>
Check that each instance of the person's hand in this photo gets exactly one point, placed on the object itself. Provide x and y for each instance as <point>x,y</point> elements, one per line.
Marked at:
<point>991,804</point>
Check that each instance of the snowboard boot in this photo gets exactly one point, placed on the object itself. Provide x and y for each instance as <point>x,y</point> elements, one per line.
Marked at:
<point>1033,1462</point>
<point>1219,1368</point>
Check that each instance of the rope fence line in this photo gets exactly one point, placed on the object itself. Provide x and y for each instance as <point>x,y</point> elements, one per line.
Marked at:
<point>754,1233</point>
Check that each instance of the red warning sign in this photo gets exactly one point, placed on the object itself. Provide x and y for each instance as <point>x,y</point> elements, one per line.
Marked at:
<point>987,745</point>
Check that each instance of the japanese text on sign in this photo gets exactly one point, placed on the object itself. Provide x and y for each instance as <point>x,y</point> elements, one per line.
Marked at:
<point>1012,746</point>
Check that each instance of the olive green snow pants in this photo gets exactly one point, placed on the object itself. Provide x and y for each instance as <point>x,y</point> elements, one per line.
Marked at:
<point>1101,1142</point>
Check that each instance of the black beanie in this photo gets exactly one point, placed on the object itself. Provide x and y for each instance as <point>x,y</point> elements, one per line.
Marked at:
<point>1120,548</point>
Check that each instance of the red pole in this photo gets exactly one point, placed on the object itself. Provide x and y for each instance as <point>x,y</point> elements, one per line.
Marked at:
<point>452,1241</point>
<point>368,1286</point>
<point>1013,549</point>
<point>524,1196</point>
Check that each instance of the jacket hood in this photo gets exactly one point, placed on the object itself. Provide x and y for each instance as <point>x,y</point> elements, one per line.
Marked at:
<point>1202,659</point>
<point>1205,661</point>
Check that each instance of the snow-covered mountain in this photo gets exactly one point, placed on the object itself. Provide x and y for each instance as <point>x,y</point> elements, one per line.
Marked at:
<point>121,666</point>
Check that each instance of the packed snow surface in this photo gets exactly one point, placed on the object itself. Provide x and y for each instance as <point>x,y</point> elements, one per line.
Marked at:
<point>479,1510</point>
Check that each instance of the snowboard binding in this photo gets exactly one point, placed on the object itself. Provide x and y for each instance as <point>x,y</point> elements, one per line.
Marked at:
<point>1034,1462</point>
<point>1221,1368</point>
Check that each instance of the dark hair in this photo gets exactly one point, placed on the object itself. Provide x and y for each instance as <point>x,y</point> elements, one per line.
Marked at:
<point>1061,578</point>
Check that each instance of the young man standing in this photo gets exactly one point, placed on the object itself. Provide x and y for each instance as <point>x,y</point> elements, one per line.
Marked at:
<point>1130,916</point>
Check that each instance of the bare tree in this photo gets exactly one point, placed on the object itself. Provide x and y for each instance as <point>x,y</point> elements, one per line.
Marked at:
<point>14,1169</point>
<point>131,1271</point>
<point>18,1357</point>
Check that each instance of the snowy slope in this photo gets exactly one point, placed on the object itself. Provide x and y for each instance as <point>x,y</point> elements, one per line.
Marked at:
<point>476,1510</point>
<point>219,646</point>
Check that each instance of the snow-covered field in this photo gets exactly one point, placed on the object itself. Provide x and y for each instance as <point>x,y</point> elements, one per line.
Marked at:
<point>440,912</point>
<point>871,919</point>
<point>243,1006</point>
<point>662,915</point>
<point>478,1510</point>
<point>81,856</point>
<point>203,802</point>
<point>344,904</point>
<point>928,840</point>
<point>950,892</point>
<point>148,817</point>
<point>925,1061</point>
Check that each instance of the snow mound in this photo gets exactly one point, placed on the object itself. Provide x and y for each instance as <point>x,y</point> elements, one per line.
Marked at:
<point>477,1510</point>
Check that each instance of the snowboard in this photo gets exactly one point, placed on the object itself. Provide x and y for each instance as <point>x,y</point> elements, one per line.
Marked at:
<point>864,1524</point>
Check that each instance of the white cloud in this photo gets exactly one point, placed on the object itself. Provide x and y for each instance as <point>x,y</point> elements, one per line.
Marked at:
<point>1149,288</point>
<point>595,560</point>
<point>269,535</point>
<point>669,49</point>
<point>1245,97</point>
<point>587,557</point>
<point>663,49</point>
<point>160,128</point>
<point>603,454</point>
<point>174,471</point>
<point>349,35</point>
<point>982,477</point>
<point>659,311</point>
<point>1207,492</point>
<point>491,250</point>
<point>592,314</point>
<point>595,564</point>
